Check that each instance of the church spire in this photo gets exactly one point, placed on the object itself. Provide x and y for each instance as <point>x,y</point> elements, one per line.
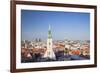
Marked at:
<point>49,52</point>
<point>49,32</point>
<point>49,27</point>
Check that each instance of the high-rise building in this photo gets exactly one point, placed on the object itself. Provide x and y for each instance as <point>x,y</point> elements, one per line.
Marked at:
<point>25,44</point>
<point>49,52</point>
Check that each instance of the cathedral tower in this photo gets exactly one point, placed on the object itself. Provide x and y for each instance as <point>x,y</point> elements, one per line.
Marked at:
<point>49,52</point>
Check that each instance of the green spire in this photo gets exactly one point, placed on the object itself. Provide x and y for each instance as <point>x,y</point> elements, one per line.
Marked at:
<point>49,32</point>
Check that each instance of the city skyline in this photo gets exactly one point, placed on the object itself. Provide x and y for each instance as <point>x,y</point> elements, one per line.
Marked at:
<point>64,25</point>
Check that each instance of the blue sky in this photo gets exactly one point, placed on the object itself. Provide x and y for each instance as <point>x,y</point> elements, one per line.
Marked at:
<point>64,25</point>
